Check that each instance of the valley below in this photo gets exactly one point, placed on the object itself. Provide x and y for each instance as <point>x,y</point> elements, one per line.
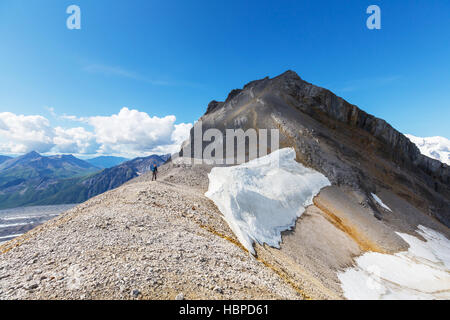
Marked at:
<point>17,221</point>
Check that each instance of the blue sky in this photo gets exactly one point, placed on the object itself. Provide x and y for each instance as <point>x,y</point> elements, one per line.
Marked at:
<point>173,57</point>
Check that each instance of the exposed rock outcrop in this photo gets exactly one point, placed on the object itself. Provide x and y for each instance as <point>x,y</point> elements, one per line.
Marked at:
<point>348,145</point>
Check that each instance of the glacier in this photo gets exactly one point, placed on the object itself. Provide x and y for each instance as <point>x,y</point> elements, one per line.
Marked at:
<point>265,196</point>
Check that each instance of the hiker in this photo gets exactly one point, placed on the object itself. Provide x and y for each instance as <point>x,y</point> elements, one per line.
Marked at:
<point>154,170</point>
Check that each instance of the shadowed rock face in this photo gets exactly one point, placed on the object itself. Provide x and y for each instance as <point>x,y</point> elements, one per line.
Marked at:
<point>348,145</point>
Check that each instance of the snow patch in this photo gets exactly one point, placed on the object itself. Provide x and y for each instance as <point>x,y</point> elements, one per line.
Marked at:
<point>381,203</point>
<point>422,272</point>
<point>261,198</point>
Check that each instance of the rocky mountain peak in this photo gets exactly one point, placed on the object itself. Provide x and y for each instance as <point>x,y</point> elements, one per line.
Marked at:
<point>335,137</point>
<point>213,105</point>
<point>31,155</point>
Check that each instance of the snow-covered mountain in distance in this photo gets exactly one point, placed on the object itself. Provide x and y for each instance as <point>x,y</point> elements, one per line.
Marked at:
<point>434,147</point>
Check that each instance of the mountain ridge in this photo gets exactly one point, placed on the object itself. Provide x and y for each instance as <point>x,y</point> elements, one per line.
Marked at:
<point>38,166</point>
<point>325,101</point>
<point>335,137</point>
<point>25,185</point>
<point>4,158</point>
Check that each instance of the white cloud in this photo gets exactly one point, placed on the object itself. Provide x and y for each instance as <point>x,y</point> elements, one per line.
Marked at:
<point>72,118</point>
<point>19,133</point>
<point>181,132</point>
<point>75,140</point>
<point>51,110</point>
<point>179,135</point>
<point>134,132</point>
<point>121,72</point>
<point>129,133</point>
<point>363,84</point>
<point>110,70</point>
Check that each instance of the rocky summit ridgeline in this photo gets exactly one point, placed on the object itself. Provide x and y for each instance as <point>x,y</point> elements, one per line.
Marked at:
<point>348,145</point>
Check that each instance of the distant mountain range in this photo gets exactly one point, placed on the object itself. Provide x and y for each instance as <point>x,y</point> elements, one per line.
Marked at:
<point>113,177</point>
<point>106,161</point>
<point>32,165</point>
<point>4,158</point>
<point>434,147</point>
<point>33,179</point>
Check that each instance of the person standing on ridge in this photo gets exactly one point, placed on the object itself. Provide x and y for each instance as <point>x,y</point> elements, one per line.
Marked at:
<point>154,170</point>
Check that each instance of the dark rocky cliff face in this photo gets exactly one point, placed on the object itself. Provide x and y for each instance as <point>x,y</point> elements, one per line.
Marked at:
<point>348,145</point>
<point>321,104</point>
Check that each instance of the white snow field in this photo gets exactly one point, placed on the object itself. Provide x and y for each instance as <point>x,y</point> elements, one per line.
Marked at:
<point>422,272</point>
<point>381,203</point>
<point>434,147</point>
<point>265,196</point>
